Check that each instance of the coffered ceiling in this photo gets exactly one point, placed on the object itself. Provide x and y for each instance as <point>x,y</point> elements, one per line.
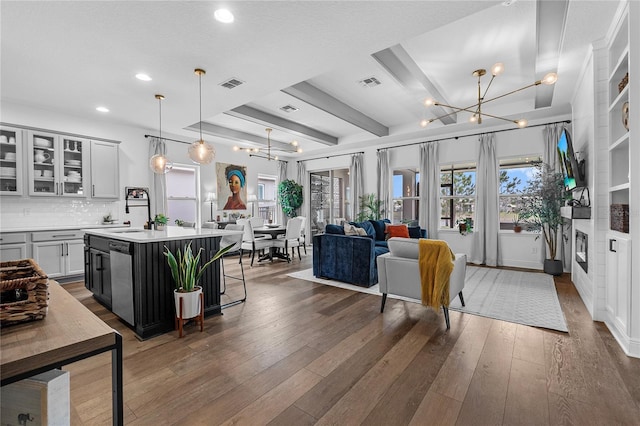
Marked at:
<point>332,75</point>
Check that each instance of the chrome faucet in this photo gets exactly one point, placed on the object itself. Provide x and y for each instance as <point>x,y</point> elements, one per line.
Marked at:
<point>138,190</point>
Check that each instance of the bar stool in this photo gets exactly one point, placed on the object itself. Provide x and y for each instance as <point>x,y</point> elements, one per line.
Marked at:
<point>225,241</point>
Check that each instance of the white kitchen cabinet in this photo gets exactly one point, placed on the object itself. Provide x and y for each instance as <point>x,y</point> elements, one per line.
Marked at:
<point>105,169</point>
<point>57,165</point>
<point>618,296</point>
<point>13,246</point>
<point>11,161</point>
<point>59,253</point>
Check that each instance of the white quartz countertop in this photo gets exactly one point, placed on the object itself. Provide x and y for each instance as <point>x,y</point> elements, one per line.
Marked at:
<point>37,228</point>
<point>139,235</point>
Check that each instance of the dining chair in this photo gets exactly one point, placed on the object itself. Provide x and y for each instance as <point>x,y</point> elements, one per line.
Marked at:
<point>257,222</point>
<point>290,238</point>
<point>226,241</point>
<point>210,225</point>
<point>188,224</point>
<point>250,242</point>
<point>303,233</point>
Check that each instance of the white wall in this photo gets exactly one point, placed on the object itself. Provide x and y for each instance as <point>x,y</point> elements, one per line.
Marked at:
<point>19,212</point>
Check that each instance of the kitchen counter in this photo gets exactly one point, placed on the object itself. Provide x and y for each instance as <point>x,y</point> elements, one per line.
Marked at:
<point>170,233</point>
<point>127,271</point>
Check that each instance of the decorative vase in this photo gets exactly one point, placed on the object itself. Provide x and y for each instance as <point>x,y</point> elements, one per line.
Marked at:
<point>159,227</point>
<point>462,227</point>
<point>517,228</point>
<point>553,267</point>
<point>190,303</point>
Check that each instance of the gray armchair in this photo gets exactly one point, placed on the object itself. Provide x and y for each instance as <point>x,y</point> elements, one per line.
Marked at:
<point>399,273</point>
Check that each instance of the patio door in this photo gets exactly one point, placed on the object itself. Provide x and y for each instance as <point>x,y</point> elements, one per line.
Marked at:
<point>329,198</point>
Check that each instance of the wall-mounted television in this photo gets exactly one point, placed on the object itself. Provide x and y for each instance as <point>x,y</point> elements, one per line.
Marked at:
<point>572,169</point>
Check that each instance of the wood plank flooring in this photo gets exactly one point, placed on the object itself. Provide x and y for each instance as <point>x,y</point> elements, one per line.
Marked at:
<point>300,353</point>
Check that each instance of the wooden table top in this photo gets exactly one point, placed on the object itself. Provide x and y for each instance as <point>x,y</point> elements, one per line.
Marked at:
<point>68,330</point>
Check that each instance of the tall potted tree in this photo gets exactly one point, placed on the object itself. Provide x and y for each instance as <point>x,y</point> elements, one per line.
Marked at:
<point>290,197</point>
<point>541,212</point>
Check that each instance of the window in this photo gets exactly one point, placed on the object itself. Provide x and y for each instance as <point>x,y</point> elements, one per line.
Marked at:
<point>457,193</point>
<point>266,197</point>
<point>182,193</point>
<point>515,174</point>
<point>405,196</point>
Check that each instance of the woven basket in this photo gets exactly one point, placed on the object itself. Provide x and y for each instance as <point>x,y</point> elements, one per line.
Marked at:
<point>623,83</point>
<point>619,217</point>
<point>20,277</point>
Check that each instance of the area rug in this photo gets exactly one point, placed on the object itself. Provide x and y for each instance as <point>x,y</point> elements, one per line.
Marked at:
<point>527,298</point>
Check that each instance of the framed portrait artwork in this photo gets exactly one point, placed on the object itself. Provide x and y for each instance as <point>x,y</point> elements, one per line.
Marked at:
<point>232,186</point>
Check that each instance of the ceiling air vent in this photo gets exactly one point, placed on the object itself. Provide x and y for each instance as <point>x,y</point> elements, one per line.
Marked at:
<point>370,82</point>
<point>289,108</point>
<point>231,83</point>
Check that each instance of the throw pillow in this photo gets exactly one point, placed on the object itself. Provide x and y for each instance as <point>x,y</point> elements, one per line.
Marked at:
<point>379,226</point>
<point>414,232</point>
<point>362,232</point>
<point>397,231</point>
<point>350,229</point>
<point>334,229</point>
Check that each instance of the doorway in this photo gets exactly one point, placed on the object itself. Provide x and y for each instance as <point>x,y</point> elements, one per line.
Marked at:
<point>329,199</point>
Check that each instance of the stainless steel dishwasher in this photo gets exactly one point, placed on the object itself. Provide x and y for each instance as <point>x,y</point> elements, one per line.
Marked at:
<point>122,280</point>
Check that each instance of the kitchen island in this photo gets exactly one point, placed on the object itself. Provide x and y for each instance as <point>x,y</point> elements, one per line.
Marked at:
<point>127,272</point>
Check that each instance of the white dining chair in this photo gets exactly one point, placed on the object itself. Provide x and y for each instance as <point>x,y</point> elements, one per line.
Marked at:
<point>290,240</point>
<point>250,242</point>
<point>303,233</point>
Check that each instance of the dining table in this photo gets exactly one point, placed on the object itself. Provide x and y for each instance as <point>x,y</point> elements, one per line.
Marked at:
<point>273,230</point>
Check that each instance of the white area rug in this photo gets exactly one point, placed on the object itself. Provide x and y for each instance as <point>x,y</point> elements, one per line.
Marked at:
<point>527,298</point>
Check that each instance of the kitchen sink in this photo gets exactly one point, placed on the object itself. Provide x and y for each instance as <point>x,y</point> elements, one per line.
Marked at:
<point>128,231</point>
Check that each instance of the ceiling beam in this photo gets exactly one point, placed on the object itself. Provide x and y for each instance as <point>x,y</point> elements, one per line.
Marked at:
<point>404,69</point>
<point>239,136</point>
<point>322,100</point>
<point>254,115</point>
<point>551,18</point>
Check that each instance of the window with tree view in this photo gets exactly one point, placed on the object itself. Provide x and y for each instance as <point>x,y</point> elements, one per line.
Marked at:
<point>457,193</point>
<point>515,175</point>
<point>406,193</point>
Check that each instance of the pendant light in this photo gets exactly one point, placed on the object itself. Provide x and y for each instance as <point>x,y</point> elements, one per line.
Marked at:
<point>200,151</point>
<point>159,163</point>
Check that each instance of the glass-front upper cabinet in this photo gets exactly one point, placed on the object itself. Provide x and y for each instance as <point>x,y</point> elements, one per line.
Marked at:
<point>57,165</point>
<point>11,163</point>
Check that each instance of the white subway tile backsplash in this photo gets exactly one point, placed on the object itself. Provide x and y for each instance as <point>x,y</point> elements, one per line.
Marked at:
<point>19,212</point>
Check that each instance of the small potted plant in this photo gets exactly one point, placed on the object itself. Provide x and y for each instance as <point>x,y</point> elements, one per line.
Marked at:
<point>160,221</point>
<point>517,220</point>
<point>186,272</point>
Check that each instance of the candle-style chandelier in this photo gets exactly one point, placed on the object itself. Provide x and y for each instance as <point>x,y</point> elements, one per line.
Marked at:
<point>476,110</point>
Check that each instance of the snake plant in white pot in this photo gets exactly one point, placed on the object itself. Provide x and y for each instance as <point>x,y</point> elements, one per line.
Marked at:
<point>186,272</point>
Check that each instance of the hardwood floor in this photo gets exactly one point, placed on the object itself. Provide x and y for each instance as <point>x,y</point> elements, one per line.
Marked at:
<point>300,353</point>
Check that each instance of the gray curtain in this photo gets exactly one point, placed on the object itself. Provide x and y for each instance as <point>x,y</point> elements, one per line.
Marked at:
<point>484,249</point>
<point>356,182</point>
<point>429,189</point>
<point>303,180</point>
<point>551,134</point>
<point>158,181</point>
<point>384,181</point>
<point>282,176</point>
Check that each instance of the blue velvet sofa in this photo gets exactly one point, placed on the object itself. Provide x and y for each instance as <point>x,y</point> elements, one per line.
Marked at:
<point>352,258</point>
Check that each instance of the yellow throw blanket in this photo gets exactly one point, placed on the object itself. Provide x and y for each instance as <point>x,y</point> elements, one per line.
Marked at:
<point>435,259</point>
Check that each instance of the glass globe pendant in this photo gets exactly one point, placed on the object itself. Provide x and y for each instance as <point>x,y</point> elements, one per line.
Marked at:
<point>200,151</point>
<point>158,163</point>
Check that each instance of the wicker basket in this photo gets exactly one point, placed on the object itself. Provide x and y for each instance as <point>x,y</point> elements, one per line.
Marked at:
<point>23,278</point>
<point>623,83</point>
<point>619,217</point>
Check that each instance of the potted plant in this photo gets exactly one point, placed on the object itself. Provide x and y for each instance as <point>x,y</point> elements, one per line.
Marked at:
<point>465,225</point>
<point>541,212</point>
<point>186,272</point>
<point>290,197</point>
<point>160,221</point>
<point>370,208</point>
<point>517,219</point>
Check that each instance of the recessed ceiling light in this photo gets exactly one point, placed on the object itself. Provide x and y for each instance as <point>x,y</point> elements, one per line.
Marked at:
<point>102,109</point>
<point>223,15</point>
<point>143,77</point>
